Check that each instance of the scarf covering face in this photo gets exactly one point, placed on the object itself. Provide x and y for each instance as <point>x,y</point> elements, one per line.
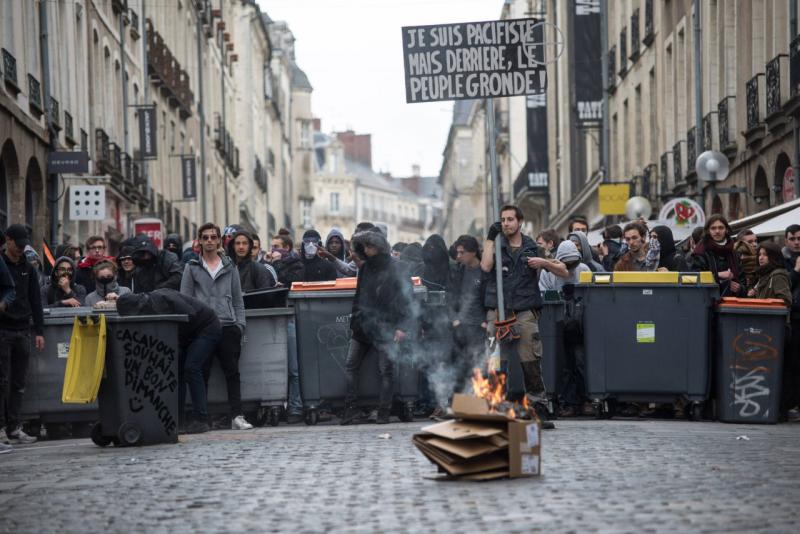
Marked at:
<point>653,255</point>
<point>104,289</point>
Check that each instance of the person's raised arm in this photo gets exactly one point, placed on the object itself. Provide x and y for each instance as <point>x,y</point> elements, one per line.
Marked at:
<point>487,258</point>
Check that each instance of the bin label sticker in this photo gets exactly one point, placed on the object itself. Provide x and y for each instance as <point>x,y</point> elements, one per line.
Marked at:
<point>63,350</point>
<point>532,432</point>
<point>647,292</point>
<point>645,332</point>
<point>529,464</point>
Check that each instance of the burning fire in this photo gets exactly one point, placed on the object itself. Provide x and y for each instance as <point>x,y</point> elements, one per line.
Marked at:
<point>493,390</point>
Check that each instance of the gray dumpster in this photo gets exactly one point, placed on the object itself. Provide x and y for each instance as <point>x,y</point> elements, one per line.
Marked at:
<point>749,376</point>
<point>551,331</point>
<point>646,337</point>
<point>263,367</point>
<point>323,335</point>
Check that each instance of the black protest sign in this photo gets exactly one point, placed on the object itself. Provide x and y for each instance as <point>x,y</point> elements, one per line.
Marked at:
<point>474,60</point>
<point>148,147</point>
<point>588,77</point>
<point>189,178</point>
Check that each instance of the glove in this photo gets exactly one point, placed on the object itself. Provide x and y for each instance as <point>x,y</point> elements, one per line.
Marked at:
<point>494,229</point>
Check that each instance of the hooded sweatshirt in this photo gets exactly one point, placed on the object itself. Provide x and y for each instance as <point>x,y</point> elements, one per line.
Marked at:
<point>101,290</point>
<point>253,276</point>
<point>163,270</point>
<point>669,257</point>
<point>315,269</point>
<point>176,242</point>
<point>52,294</point>
<point>436,264</point>
<point>223,292</point>
<point>586,252</point>
<point>411,260</point>
<point>343,267</point>
<point>27,304</point>
<point>790,259</point>
<point>566,253</point>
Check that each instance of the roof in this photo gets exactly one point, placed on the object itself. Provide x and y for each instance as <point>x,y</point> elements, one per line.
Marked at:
<point>366,177</point>
<point>299,78</point>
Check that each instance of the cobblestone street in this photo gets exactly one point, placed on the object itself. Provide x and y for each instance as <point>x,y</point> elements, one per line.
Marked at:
<point>598,476</point>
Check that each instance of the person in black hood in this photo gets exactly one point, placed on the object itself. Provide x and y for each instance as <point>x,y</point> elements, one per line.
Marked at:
<point>154,269</point>
<point>285,260</point>
<point>335,251</point>
<point>252,275</point>
<point>174,244</point>
<point>436,264</point>
<point>411,260</point>
<point>380,308</point>
<point>315,269</point>
<point>670,259</point>
<point>125,263</point>
<point>60,289</point>
<point>197,338</point>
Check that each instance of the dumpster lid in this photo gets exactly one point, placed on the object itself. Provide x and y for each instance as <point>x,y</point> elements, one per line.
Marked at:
<point>753,304</point>
<point>647,277</point>
<point>339,284</point>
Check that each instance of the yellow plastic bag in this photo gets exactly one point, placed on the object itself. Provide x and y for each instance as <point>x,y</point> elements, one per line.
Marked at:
<point>85,361</point>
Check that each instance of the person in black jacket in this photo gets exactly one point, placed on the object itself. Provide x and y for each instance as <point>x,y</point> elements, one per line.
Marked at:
<point>7,289</point>
<point>669,259</point>
<point>197,338</point>
<point>466,307</point>
<point>715,253</point>
<point>252,275</point>
<point>60,290</point>
<point>791,362</point>
<point>154,269</point>
<point>315,269</point>
<point>285,261</point>
<point>126,265</point>
<point>15,335</point>
<point>174,244</point>
<point>380,307</point>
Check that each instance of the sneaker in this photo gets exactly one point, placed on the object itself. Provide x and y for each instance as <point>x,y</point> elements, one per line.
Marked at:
<point>294,418</point>
<point>3,437</point>
<point>197,427</point>
<point>240,423</point>
<point>18,436</point>
<point>5,447</point>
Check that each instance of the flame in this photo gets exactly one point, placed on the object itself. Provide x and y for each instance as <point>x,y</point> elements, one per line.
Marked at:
<point>491,388</point>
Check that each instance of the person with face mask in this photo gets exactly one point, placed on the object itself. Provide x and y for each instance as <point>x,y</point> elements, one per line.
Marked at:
<point>154,269</point>
<point>315,269</point>
<point>253,276</point>
<point>174,244</point>
<point>669,259</point>
<point>107,290</point>
<point>285,260</point>
<point>60,289</point>
<point>568,254</point>
<point>585,250</point>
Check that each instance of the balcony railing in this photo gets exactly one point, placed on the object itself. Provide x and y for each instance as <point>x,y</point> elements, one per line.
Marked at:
<point>84,140</point>
<point>635,35</point>
<point>10,71</point>
<point>709,125</point>
<point>677,167</point>
<point>648,179</point>
<point>726,110</point>
<point>102,150</point>
<point>623,52</point>
<point>777,84</point>
<point>119,6</point>
<point>612,66</point>
<point>55,113</point>
<point>115,153</point>
<point>69,129</point>
<point>134,24</point>
<point>260,175</point>
<point>665,170</point>
<point>794,66</point>
<point>754,90</point>
<point>35,96</point>
<point>691,148</point>
<point>166,71</point>
<point>649,33</point>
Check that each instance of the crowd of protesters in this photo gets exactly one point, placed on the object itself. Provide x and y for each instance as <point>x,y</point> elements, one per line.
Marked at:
<point>207,278</point>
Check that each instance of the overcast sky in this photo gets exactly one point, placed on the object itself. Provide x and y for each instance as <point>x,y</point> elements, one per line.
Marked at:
<point>351,51</point>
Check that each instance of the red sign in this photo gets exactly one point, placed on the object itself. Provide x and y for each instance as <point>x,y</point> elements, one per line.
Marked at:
<point>788,185</point>
<point>152,228</point>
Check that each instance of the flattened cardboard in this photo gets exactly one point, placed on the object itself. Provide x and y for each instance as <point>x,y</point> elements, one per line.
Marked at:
<point>500,440</point>
<point>491,462</point>
<point>465,448</point>
<point>474,408</point>
<point>477,477</point>
<point>461,430</point>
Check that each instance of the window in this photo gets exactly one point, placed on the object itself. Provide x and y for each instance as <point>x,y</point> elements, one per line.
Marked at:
<point>305,134</point>
<point>334,203</point>
<point>305,213</point>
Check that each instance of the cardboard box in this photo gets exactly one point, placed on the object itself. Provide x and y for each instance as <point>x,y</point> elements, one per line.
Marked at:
<point>480,445</point>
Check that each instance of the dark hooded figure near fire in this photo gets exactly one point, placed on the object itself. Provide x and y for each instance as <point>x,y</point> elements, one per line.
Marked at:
<point>380,311</point>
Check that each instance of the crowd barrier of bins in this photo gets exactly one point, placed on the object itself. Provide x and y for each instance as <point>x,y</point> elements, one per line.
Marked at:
<point>647,337</point>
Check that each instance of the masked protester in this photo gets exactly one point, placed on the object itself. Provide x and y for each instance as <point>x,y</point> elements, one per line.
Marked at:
<point>253,276</point>
<point>315,269</point>
<point>60,289</point>
<point>95,253</point>
<point>582,243</point>
<point>715,253</point>
<point>285,261</point>
<point>669,259</point>
<point>380,310</point>
<point>174,244</point>
<point>154,269</point>
<point>125,262</point>
<point>568,254</point>
<point>411,260</point>
<point>197,338</point>
<point>107,290</point>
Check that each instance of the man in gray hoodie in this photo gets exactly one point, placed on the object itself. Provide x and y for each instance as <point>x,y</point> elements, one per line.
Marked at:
<point>214,279</point>
<point>582,243</point>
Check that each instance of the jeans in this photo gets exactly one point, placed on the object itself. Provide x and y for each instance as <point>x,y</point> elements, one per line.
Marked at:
<point>295,400</point>
<point>355,356</point>
<point>15,352</point>
<point>227,352</point>
<point>529,348</point>
<point>192,362</point>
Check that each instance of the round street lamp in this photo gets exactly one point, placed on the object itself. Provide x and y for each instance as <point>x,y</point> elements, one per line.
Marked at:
<point>712,166</point>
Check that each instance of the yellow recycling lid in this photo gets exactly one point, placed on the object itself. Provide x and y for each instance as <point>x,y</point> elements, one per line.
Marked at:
<point>647,277</point>
<point>85,361</point>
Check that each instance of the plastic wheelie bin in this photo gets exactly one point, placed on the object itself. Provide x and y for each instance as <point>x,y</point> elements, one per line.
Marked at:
<point>551,331</point>
<point>749,363</point>
<point>646,337</point>
<point>263,367</point>
<point>138,396</point>
<point>322,316</point>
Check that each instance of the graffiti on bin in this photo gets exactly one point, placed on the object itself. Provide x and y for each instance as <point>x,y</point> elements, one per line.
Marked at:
<point>149,375</point>
<point>749,374</point>
<point>336,339</point>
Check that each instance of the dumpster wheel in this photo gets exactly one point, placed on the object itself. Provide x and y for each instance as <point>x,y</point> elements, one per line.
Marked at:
<point>604,409</point>
<point>129,434</point>
<point>97,436</point>
<point>274,416</point>
<point>407,415</point>
<point>312,416</point>
<point>694,411</point>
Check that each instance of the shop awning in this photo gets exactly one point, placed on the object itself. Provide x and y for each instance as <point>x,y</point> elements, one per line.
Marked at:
<point>777,225</point>
<point>757,218</point>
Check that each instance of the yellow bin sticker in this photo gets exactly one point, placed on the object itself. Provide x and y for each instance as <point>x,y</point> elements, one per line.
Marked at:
<point>645,332</point>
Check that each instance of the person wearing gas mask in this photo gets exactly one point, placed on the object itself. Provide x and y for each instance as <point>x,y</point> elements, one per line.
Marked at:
<point>154,269</point>
<point>107,290</point>
<point>315,269</point>
<point>285,260</point>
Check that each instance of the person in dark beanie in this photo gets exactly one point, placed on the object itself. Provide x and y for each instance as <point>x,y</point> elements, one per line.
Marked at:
<point>174,244</point>
<point>197,338</point>
<point>380,308</point>
<point>126,265</point>
<point>154,269</point>
<point>253,276</point>
<point>16,321</point>
<point>60,289</point>
<point>315,269</point>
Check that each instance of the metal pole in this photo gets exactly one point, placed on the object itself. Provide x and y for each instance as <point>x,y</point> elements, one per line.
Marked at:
<point>605,152</point>
<point>146,86</point>
<point>698,91</point>
<point>222,58</point>
<point>124,83</point>
<point>201,115</point>
<point>498,260</point>
<point>52,179</point>
<point>795,119</point>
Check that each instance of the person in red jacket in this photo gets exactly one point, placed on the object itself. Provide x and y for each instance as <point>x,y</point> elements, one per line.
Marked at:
<point>95,253</point>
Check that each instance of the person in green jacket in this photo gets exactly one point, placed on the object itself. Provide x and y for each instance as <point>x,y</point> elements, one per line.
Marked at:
<point>773,279</point>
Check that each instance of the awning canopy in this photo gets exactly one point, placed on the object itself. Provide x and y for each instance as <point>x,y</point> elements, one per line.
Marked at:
<point>761,216</point>
<point>777,225</point>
